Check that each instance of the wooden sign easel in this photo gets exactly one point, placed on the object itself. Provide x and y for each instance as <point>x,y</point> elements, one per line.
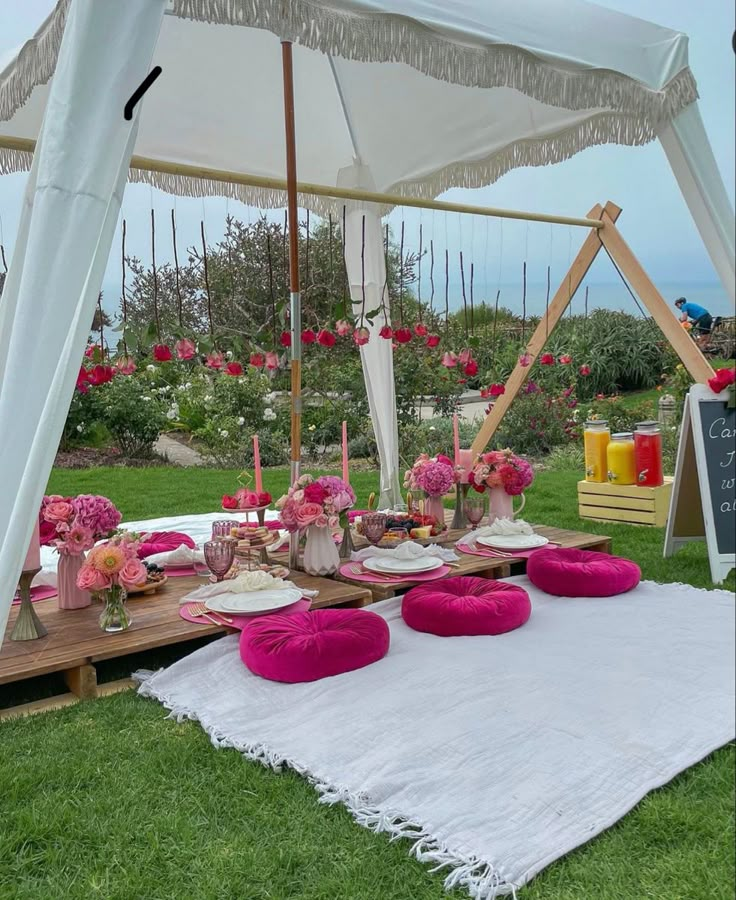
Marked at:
<point>608,236</point>
<point>703,503</point>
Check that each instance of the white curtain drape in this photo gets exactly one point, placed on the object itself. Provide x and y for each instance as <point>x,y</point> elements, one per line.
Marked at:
<point>366,267</point>
<point>70,212</point>
<point>689,153</point>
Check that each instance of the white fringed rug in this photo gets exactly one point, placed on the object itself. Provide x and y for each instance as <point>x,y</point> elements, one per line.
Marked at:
<point>494,755</point>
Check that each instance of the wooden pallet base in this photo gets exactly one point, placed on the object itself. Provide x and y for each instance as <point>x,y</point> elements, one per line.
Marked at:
<point>60,701</point>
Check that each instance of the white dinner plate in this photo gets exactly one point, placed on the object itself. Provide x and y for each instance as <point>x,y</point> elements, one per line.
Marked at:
<point>254,603</point>
<point>391,565</point>
<point>514,541</point>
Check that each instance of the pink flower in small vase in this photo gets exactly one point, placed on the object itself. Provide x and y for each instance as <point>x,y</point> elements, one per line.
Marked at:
<point>185,349</point>
<point>107,559</point>
<point>78,539</point>
<point>361,336</point>
<point>343,327</point>
<point>133,573</point>
<point>90,579</point>
<point>215,360</point>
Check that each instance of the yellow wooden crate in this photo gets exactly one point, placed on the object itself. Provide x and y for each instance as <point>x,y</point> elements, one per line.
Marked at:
<point>629,504</point>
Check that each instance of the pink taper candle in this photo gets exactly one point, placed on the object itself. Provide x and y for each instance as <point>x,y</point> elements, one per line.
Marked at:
<point>33,556</point>
<point>257,464</point>
<point>456,439</point>
<point>345,473</point>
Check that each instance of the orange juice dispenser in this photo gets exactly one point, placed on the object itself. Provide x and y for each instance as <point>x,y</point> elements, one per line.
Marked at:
<point>621,458</point>
<point>596,436</point>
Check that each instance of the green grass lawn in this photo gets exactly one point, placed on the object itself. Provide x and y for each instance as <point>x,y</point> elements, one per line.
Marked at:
<point>109,799</point>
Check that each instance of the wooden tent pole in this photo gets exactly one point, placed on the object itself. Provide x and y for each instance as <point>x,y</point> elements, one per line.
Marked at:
<point>145,164</point>
<point>295,297</point>
<point>570,283</point>
<point>685,347</point>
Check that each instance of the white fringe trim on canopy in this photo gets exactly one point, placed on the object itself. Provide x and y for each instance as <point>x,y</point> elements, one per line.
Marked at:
<point>481,879</point>
<point>632,113</point>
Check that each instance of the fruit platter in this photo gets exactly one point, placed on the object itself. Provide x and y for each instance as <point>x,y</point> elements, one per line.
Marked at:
<point>402,527</point>
<point>155,578</point>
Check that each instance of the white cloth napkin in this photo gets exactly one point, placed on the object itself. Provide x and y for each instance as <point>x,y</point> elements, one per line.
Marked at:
<point>407,551</point>
<point>244,583</point>
<point>499,527</point>
<point>182,556</point>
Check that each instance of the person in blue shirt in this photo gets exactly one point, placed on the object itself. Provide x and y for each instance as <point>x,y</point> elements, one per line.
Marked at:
<point>701,319</point>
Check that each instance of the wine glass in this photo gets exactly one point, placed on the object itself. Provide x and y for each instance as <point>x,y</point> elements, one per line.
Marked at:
<point>374,527</point>
<point>475,508</point>
<point>223,527</point>
<point>219,556</point>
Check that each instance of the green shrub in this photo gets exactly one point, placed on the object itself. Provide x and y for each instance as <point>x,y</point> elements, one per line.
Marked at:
<point>538,421</point>
<point>133,414</point>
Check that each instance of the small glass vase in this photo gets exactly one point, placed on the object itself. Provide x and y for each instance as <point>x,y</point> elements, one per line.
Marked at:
<point>69,595</point>
<point>321,556</point>
<point>114,616</point>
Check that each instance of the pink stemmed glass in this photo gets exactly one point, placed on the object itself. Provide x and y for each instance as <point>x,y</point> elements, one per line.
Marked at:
<point>223,527</point>
<point>219,556</point>
<point>475,508</point>
<point>374,527</point>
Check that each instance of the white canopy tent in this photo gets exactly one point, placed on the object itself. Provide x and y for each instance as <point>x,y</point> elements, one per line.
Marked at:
<point>409,96</point>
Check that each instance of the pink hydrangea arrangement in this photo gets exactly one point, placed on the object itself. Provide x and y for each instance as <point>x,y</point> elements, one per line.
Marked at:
<point>433,475</point>
<point>113,564</point>
<point>74,524</point>
<point>502,469</point>
<point>316,501</point>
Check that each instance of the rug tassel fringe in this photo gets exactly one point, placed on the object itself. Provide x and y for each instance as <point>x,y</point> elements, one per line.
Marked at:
<point>481,879</point>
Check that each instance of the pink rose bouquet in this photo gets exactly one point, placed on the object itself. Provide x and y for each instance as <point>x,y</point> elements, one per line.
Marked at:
<point>433,475</point>
<point>501,468</point>
<point>74,524</point>
<point>111,569</point>
<point>323,502</point>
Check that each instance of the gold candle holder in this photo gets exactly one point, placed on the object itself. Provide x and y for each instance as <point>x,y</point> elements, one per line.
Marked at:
<point>27,626</point>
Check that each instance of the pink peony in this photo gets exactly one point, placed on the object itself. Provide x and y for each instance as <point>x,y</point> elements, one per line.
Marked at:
<point>185,349</point>
<point>315,493</point>
<point>308,513</point>
<point>132,573</point>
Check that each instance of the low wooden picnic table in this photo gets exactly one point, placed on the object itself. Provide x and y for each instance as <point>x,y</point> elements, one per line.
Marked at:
<point>74,642</point>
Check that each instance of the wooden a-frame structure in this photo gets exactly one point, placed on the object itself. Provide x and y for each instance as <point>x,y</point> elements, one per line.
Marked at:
<point>604,235</point>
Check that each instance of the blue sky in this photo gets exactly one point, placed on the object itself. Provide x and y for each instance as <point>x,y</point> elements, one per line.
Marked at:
<point>655,222</point>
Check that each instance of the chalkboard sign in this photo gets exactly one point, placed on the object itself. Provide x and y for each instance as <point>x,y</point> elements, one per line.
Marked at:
<point>703,505</point>
<point>718,426</point>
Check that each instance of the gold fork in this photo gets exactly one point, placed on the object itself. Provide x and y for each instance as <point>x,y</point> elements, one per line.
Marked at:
<point>200,611</point>
<point>359,570</point>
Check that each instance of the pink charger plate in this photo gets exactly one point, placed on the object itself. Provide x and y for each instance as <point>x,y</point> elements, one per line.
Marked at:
<point>240,622</point>
<point>503,554</point>
<point>378,579</point>
<point>38,593</point>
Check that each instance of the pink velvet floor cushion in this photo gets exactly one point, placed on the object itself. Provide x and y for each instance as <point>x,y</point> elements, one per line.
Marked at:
<point>463,606</point>
<point>581,573</point>
<point>311,645</point>
<point>161,541</point>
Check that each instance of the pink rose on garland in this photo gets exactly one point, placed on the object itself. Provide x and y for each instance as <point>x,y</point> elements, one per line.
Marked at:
<point>326,338</point>
<point>285,339</point>
<point>402,335</point>
<point>343,327</point>
<point>185,349</point>
<point>386,332</point>
<point>125,365</point>
<point>161,353</point>
<point>361,336</point>
<point>308,336</point>
<point>449,359</point>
